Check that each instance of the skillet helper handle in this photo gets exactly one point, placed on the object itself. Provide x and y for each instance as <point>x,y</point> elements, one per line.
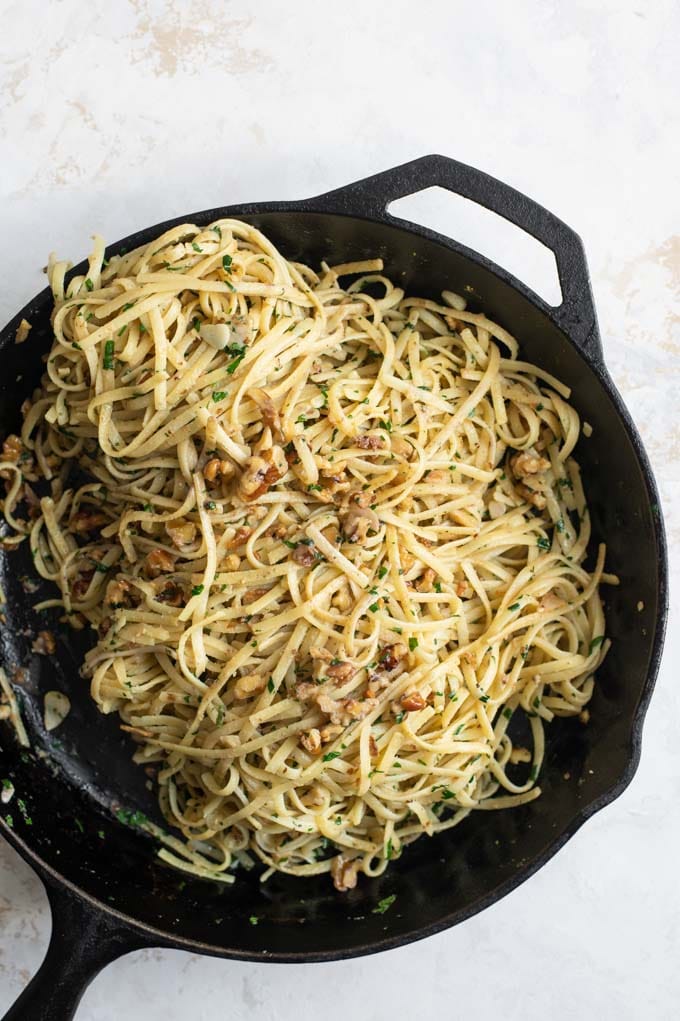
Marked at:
<point>83,941</point>
<point>371,197</point>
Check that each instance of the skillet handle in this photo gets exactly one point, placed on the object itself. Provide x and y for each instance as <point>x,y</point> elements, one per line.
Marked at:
<point>372,196</point>
<point>83,941</point>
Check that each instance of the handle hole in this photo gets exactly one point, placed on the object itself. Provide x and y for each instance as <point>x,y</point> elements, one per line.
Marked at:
<point>487,233</point>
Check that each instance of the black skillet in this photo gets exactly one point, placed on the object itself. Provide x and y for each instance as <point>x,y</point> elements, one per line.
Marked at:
<point>108,893</point>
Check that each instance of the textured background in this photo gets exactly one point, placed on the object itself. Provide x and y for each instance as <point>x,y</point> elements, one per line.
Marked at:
<point>116,115</point>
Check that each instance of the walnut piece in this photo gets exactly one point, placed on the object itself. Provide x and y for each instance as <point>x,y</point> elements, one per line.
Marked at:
<point>260,473</point>
<point>181,532</point>
<point>158,561</point>
<point>217,469</point>
<point>344,873</point>
<point>412,701</point>
<point>357,522</point>
<point>249,685</point>
<point>311,741</point>
<point>44,644</point>
<point>87,521</point>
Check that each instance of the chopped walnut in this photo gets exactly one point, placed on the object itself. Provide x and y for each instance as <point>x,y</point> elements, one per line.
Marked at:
<point>231,562</point>
<point>181,532</point>
<point>437,476</point>
<point>357,522</point>
<point>87,521</point>
<point>306,691</point>
<point>277,532</point>
<point>341,672</point>
<point>362,498</point>
<point>344,873</point>
<point>311,741</point>
<point>240,537</point>
<point>11,450</point>
<point>464,589</point>
<point>218,469</point>
<point>370,441</point>
<point>372,746</point>
<point>528,464</point>
<point>392,655</point>
<point>532,496</point>
<point>330,732</point>
<point>334,482</point>
<point>120,593</point>
<point>304,555</point>
<point>171,593</point>
<point>44,644</point>
<point>246,687</point>
<point>82,584</point>
<point>346,710</point>
<point>260,473</point>
<point>158,561</point>
<point>426,580</point>
<point>412,701</point>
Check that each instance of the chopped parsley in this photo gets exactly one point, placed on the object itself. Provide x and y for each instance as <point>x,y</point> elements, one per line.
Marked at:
<point>382,572</point>
<point>515,606</point>
<point>219,395</point>
<point>329,756</point>
<point>542,542</point>
<point>384,905</point>
<point>596,642</point>
<point>89,284</point>
<point>197,589</point>
<point>226,263</point>
<point>238,351</point>
<point>109,348</point>
<point>413,643</point>
<point>270,685</point>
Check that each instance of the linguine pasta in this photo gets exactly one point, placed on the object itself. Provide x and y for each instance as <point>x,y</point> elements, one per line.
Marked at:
<point>330,538</point>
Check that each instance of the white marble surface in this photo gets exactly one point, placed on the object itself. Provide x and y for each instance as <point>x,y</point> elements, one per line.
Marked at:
<point>116,115</point>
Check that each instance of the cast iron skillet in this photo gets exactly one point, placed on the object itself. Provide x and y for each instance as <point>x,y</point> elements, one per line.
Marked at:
<point>108,893</point>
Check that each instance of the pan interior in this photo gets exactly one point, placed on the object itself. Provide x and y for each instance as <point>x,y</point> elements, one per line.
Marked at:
<point>72,781</point>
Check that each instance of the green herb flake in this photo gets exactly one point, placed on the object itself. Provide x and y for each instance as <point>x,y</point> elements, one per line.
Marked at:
<point>329,756</point>
<point>413,643</point>
<point>515,606</point>
<point>219,395</point>
<point>197,589</point>
<point>109,348</point>
<point>384,905</point>
<point>89,284</point>
<point>507,713</point>
<point>270,685</point>
<point>543,543</point>
<point>382,572</point>
<point>596,642</point>
<point>253,919</point>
